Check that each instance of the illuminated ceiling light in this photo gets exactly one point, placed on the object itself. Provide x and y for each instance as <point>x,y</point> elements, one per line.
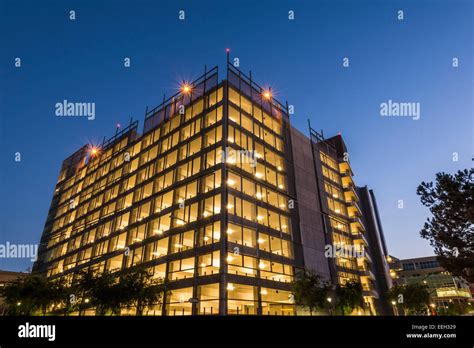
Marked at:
<point>205,214</point>
<point>259,195</point>
<point>260,241</point>
<point>262,265</point>
<point>335,195</point>
<point>230,182</point>
<point>229,231</point>
<point>180,222</point>
<point>203,264</point>
<point>267,94</point>
<point>264,292</point>
<point>337,211</point>
<point>279,168</point>
<point>230,287</point>
<point>229,206</point>
<point>179,246</point>
<point>157,231</point>
<point>282,205</point>
<point>259,218</point>
<point>259,175</point>
<point>283,226</point>
<point>280,186</point>
<point>86,300</point>
<point>229,258</point>
<point>230,139</point>
<point>206,238</point>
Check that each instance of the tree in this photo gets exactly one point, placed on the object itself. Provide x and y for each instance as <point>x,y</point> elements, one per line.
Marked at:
<point>138,288</point>
<point>100,290</point>
<point>349,296</point>
<point>310,291</point>
<point>412,298</point>
<point>31,295</point>
<point>451,229</point>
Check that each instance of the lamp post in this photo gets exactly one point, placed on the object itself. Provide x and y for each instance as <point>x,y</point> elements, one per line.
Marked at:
<point>395,308</point>
<point>330,305</point>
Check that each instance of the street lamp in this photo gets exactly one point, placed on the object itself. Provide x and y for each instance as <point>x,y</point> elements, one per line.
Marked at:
<point>395,309</point>
<point>330,305</point>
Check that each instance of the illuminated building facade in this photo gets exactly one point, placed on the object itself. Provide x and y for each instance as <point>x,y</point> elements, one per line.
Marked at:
<point>443,287</point>
<point>335,213</point>
<point>210,198</point>
<point>200,199</point>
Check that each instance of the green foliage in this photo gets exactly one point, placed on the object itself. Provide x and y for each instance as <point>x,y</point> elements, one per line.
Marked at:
<point>349,297</point>
<point>451,229</point>
<point>310,291</point>
<point>140,290</point>
<point>107,292</point>
<point>100,291</point>
<point>30,295</point>
<point>414,299</point>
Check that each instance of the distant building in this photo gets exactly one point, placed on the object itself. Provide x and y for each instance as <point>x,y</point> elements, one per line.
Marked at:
<point>444,288</point>
<point>5,278</point>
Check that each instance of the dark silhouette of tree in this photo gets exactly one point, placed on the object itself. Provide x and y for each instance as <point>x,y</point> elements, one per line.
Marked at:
<point>349,297</point>
<point>33,294</point>
<point>100,290</point>
<point>310,291</point>
<point>139,289</point>
<point>414,299</point>
<point>451,229</point>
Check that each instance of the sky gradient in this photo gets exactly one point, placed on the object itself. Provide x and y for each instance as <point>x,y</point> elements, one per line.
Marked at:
<point>82,61</point>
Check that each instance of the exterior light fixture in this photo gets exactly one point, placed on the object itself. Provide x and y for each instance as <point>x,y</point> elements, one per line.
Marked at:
<point>267,94</point>
<point>186,88</point>
<point>94,150</point>
<point>329,299</point>
<point>394,303</point>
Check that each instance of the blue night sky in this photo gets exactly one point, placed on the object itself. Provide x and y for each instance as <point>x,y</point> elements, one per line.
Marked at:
<point>82,61</point>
